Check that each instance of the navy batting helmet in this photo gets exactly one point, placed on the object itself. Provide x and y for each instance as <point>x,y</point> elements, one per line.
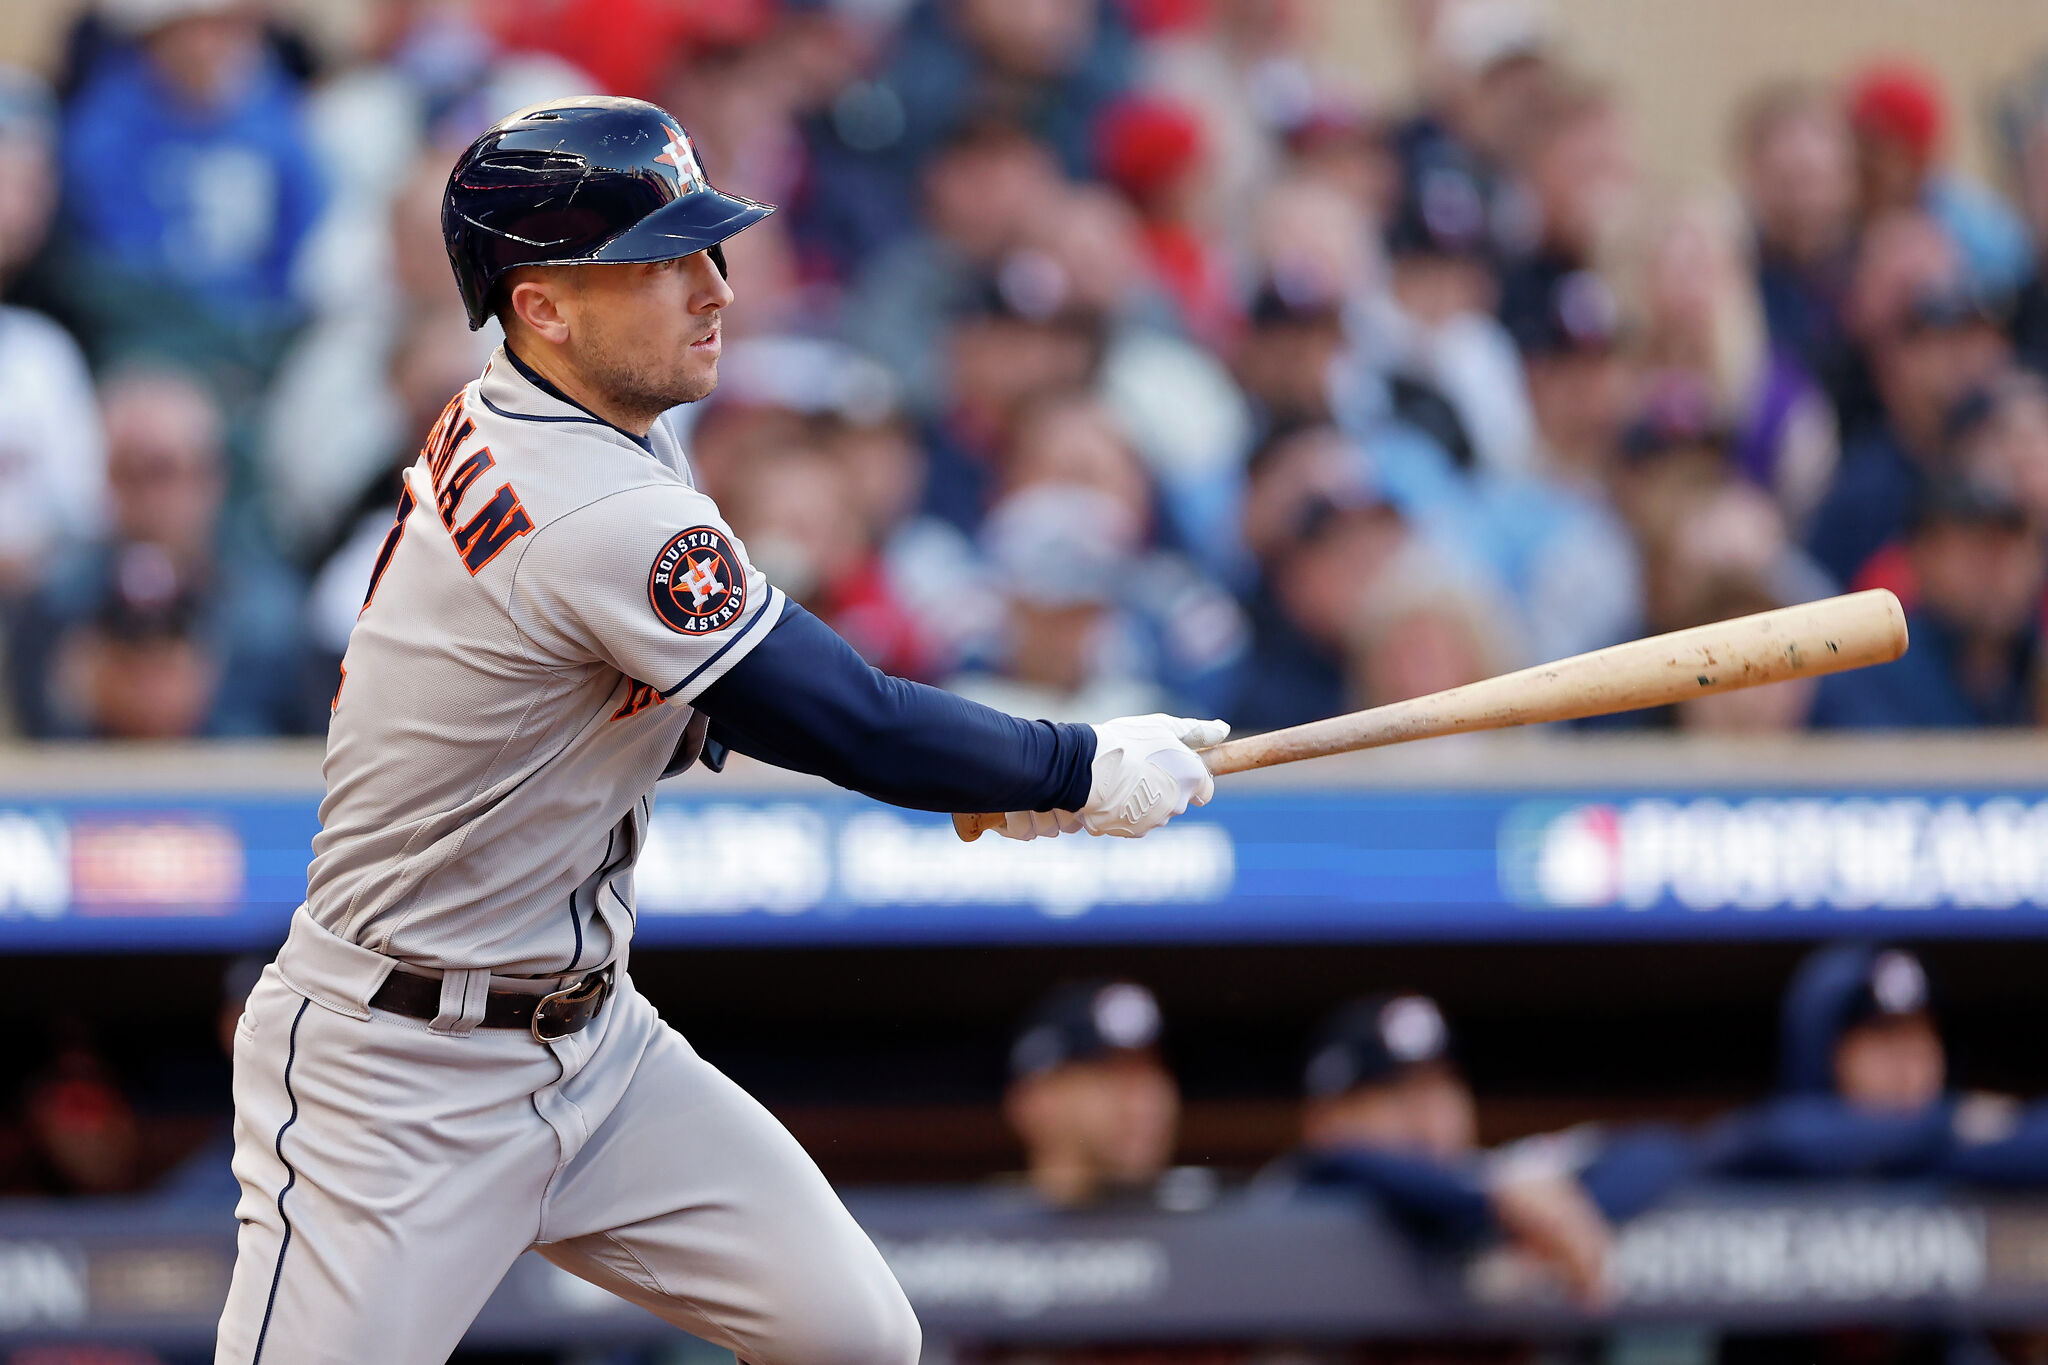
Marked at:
<point>572,181</point>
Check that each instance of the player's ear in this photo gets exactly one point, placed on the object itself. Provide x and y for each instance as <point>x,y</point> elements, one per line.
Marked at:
<point>536,300</point>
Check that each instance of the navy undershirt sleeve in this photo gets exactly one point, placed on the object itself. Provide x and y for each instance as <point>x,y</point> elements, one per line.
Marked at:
<point>803,699</point>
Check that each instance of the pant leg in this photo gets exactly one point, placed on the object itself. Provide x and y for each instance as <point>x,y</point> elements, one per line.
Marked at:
<point>389,1177</point>
<point>690,1200</point>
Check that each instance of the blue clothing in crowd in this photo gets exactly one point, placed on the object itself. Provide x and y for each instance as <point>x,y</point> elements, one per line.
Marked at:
<point>1870,504</point>
<point>1924,689</point>
<point>214,200</point>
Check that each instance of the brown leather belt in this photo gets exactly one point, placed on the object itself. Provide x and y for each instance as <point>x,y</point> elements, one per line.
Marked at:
<point>546,1017</point>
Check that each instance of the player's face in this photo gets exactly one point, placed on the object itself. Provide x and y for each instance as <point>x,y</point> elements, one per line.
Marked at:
<point>648,336</point>
<point>1893,1064</point>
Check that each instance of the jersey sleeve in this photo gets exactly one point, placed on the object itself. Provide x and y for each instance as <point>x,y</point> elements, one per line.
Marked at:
<point>650,581</point>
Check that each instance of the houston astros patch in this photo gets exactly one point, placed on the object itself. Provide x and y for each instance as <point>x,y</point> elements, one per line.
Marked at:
<point>697,584</point>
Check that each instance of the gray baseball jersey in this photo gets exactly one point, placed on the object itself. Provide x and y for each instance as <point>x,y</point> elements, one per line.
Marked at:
<point>551,597</point>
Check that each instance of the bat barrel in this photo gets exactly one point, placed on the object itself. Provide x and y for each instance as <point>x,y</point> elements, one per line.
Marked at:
<point>1804,641</point>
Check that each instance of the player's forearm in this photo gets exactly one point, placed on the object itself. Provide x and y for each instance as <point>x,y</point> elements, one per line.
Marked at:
<point>803,699</point>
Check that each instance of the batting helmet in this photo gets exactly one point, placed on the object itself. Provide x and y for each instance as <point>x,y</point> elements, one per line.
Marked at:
<point>573,181</point>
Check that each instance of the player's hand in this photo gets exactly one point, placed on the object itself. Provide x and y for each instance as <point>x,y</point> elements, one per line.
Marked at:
<point>1039,824</point>
<point>1147,771</point>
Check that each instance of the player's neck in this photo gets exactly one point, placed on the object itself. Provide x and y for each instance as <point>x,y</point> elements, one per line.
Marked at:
<point>551,371</point>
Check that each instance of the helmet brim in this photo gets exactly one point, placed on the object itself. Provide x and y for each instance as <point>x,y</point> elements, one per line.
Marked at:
<point>683,227</point>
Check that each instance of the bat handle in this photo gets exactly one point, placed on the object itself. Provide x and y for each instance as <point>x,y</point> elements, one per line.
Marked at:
<point>970,827</point>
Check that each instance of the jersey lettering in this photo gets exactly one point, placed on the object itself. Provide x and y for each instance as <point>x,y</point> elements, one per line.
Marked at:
<point>389,547</point>
<point>639,696</point>
<point>466,473</point>
<point>450,430</point>
<point>501,522</point>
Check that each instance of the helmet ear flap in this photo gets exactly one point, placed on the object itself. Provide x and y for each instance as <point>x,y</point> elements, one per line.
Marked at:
<point>717,253</point>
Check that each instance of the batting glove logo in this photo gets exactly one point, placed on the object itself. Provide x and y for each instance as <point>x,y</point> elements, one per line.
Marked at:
<point>697,585</point>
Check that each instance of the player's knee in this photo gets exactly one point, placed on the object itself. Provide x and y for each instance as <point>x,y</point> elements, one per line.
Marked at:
<point>874,1328</point>
<point>892,1337</point>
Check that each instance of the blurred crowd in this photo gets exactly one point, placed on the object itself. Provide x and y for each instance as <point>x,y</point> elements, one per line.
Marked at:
<point>1105,356</point>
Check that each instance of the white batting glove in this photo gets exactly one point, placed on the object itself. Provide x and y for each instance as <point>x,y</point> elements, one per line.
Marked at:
<point>1039,824</point>
<point>1146,772</point>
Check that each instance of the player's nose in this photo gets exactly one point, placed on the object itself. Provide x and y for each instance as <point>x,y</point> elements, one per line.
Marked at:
<point>709,290</point>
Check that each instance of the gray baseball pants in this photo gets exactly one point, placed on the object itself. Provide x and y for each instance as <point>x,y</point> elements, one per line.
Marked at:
<point>392,1170</point>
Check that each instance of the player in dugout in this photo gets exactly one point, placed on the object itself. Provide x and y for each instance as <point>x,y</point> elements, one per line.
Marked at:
<point>1864,1088</point>
<point>1388,1114</point>
<point>1094,1104</point>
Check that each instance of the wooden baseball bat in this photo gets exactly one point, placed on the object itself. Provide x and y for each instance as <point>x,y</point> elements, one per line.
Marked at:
<point>1828,636</point>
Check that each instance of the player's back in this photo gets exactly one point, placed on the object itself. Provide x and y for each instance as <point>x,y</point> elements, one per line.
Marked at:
<point>492,752</point>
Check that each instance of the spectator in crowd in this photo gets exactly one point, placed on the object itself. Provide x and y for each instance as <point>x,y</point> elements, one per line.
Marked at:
<point>1020,338</point>
<point>1420,628</point>
<point>983,184</point>
<point>1050,67</point>
<point>1927,340</point>
<point>1900,119</point>
<point>1091,1100</point>
<point>1698,520</point>
<point>800,513</point>
<point>1452,367</point>
<point>1583,175</point>
<point>1703,323</point>
<point>1285,362</point>
<point>1488,69</point>
<point>1152,150</point>
<point>1796,165</point>
<point>1060,553</point>
<point>1175,398</point>
<point>52,460</point>
<point>1387,1114</point>
<point>188,251</point>
<point>345,395</point>
<point>1865,1088</point>
<point>1321,528</point>
<point>1095,609</point>
<point>2023,126</point>
<point>208,620</point>
<point>1978,564</point>
<point>1556,537</point>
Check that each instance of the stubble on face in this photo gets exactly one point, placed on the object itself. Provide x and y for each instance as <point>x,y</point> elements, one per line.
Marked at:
<point>637,377</point>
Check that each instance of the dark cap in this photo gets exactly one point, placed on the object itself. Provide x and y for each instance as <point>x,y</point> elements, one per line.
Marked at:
<point>1287,297</point>
<point>1372,1040</point>
<point>1953,307</point>
<point>1678,413</point>
<point>1565,312</point>
<point>1442,212</point>
<point>1082,1021</point>
<point>1964,500</point>
<point>149,602</point>
<point>1836,988</point>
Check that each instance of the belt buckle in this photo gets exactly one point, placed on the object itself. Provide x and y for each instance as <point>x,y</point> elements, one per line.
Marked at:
<point>593,990</point>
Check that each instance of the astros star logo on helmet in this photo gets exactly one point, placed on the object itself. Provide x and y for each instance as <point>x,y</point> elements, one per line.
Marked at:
<point>679,154</point>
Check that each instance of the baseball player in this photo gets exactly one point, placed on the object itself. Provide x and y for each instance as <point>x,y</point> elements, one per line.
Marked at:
<point>447,1063</point>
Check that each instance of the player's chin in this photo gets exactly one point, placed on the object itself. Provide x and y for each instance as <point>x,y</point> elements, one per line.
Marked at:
<point>700,375</point>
